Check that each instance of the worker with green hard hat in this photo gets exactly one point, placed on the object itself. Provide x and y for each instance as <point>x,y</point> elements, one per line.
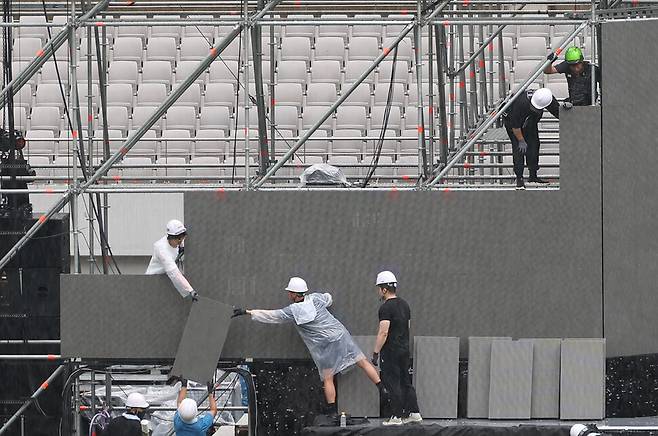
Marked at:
<point>579,76</point>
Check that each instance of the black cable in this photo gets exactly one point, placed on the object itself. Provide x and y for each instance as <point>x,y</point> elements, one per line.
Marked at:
<point>387,112</point>
<point>237,113</point>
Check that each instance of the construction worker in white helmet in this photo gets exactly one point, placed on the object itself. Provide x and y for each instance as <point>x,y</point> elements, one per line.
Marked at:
<point>187,421</point>
<point>129,423</point>
<point>392,352</point>
<point>167,251</point>
<point>330,344</point>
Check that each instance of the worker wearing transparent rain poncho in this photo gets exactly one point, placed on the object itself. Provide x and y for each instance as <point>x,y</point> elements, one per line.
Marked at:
<point>328,341</point>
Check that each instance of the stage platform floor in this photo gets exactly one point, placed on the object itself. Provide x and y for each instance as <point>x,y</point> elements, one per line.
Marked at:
<point>477,427</point>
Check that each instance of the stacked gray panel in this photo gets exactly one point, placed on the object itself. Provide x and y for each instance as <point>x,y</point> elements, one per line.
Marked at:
<point>479,373</point>
<point>357,395</point>
<point>510,391</point>
<point>545,378</point>
<point>582,381</point>
<point>436,375</point>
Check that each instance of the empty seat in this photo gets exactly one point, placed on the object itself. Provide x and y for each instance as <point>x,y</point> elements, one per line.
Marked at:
<point>389,143</point>
<point>347,146</point>
<point>386,71</point>
<point>266,73</point>
<point>541,30</point>
<point>508,49</point>
<point>49,72</point>
<point>41,164</point>
<point>219,94</point>
<point>405,49</point>
<point>127,49</point>
<point>354,70</point>
<point>26,49</point>
<point>65,171</point>
<point>361,96</point>
<point>151,94</point>
<point>194,48</point>
<point>208,174</point>
<point>364,49</point>
<point>286,117</point>
<point>411,117</point>
<point>161,49</point>
<point>413,94</point>
<point>144,169</point>
<point>184,69</point>
<point>300,163</point>
<point>301,31</point>
<point>384,171</point>
<point>40,142</point>
<point>215,117</point>
<point>326,72</point>
<point>225,29</point>
<point>43,118</point>
<point>174,170</point>
<point>18,66</point>
<point>142,113</point>
<point>121,94</point>
<point>381,94</point>
<point>115,141</point>
<point>377,118</point>
<point>83,72</point>
<point>146,146</point>
<point>233,51</point>
<point>531,48</point>
<point>289,94</point>
<point>367,29</point>
<point>317,143</point>
<point>83,96</point>
<point>295,49</point>
<point>319,94</point>
<point>181,117</point>
<point>396,29</point>
<point>225,72</point>
<point>351,117</point>
<point>409,146</point>
<point>157,72</point>
<point>330,49</point>
<point>117,118</point>
<point>292,72</point>
<point>172,31</point>
<point>313,114</point>
<point>138,32</point>
<point>49,94</point>
<point>240,117</point>
<point>84,48</point>
<point>23,97</point>
<point>29,31</point>
<point>191,97</point>
<point>210,142</point>
<point>407,167</point>
<point>204,30</point>
<point>523,70</point>
<point>333,30</point>
<point>560,89</point>
<point>123,72</point>
<point>349,165</point>
<point>175,141</point>
<point>252,95</point>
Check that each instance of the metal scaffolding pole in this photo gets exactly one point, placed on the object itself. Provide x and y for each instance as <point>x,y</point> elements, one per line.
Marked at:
<point>408,28</point>
<point>440,38</point>
<point>263,151</point>
<point>247,101</point>
<point>32,398</point>
<point>135,136</point>
<point>75,133</point>
<point>474,136</point>
<point>422,152</point>
<point>45,53</point>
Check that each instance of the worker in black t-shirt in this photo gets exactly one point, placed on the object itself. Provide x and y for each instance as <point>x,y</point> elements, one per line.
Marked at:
<point>392,352</point>
<point>579,76</point>
<point>129,424</point>
<point>521,120</point>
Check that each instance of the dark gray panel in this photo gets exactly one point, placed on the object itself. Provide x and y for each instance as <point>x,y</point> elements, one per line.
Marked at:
<point>436,375</point>
<point>479,374</point>
<point>545,378</point>
<point>630,195</point>
<point>202,340</point>
<point>510,391</point>
<point>582,379</point>
<point>120,316</point>
<point>357,395</point>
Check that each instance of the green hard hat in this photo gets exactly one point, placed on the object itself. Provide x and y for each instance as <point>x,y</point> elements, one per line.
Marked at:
<point>573,55</point>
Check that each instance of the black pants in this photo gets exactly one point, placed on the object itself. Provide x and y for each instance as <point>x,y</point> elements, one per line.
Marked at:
<point>531,136</point>
<point>395,366</point>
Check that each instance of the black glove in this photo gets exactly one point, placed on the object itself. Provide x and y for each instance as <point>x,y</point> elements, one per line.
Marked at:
<point>210,387</point>
<point>567,105</point>
<point>375,359</point>
<point>238,311</point>
<point>523,147</point>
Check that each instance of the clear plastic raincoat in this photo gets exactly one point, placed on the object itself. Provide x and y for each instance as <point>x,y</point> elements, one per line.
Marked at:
<point>330,344</point>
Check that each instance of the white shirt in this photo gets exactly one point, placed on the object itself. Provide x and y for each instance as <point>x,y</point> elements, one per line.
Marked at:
<point>163,261</point>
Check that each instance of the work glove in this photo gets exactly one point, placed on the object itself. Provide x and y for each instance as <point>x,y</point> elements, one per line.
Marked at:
<point>523,147</point>
<point>210,387</point>
<point>238,311</point>
<point>567,105</point>
<point>375,359</point>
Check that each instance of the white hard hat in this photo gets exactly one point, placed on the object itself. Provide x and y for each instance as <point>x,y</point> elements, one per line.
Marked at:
<point>541,98</point>
<point>136,400</point>
<point>175,228</point>
<point>187,410</point>
<point>297,284</point>
<point>385,277</point>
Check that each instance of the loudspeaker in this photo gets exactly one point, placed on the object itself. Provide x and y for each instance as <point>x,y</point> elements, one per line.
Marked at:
<point>48,248</point>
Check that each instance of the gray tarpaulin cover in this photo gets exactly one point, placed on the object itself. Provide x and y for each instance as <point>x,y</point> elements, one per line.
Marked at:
<point>322,174</point>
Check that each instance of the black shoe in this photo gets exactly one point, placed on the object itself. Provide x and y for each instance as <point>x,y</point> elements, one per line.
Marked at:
<point>535,179</point>
<point>520,184</point>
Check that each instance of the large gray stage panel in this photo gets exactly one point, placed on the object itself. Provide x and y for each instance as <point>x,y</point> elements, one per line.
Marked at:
<point>479,376</point>
<point>545,402</point>
<point>357,395</point>
<point>436,375</point>
<point>510,392</point>
<point>582,379</point>
<point>630,194</point>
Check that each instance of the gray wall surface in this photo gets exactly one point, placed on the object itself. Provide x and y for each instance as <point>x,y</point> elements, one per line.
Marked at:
<point>630,159</point>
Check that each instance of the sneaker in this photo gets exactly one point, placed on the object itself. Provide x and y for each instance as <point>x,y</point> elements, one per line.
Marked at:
<point>535,179</point>
<point>393,420</point>
<point>413,418</point>
<point>520,184</point>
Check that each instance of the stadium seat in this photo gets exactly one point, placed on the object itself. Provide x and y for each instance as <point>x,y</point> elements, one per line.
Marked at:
<point>541,30</point>
<point>289,94</point>
<point>292,72</point>
<point>220,94</point>
<point>300,163</point>
<point>384,170</point>
<point>139,32</point>
<point>386,71</point>
<point>123,72</point>
<point>347,164</point>
<point>172,31</point>
<point>18,66</point>
<point>40,161</point>
<point>83,73</point>
<point>313,114</point>
<point>213,146</point>
<point>42,118</point>
<point>377,118</point>
<point>161,49</point>
<point>25,49</point>
<point>333,30</point>
<point>252,94</point>
<point>363,49</point>
<point>223,72</point>
<point>320,94</point>
<point>374,30</point>
<point>296,49</point>
<point>40,142</point>
<point>317,144</point>
<point>62,52</point>
<point>194,48</point>
<point>204,30</point>
<point>413,94</point>
<point>347,146</point>
<point>389,145</point>
<point>147,169</point>
<point>117,118</point>
<point>531,48</point>
<point>23,97</point>
<point>411,117</point>
<point>234,168</point>
<point>175,142</point>
<point>191,97</point>
<point>381,94</point>
<point>326,72</point>
<point>351,117</point>
<point>560,89</point>
<point>215,117</point>
<point>409,146</point>
<point>115,138</point>
<point>225,29</point>
<point>300,31</point>
<point>151,94</point>
<point>233,51</point>
<point>359,97</point>
<point>181,117</point>
<point>329,48</point>
<point>145,146</point>
<point>29,31</point>
<point>393,30</point>
<point>523,70</point>
<point>127,49</point>
<point>121,94</point>
<point>240,118</point>
<point>286,117</point>
<point>83,94</point>
<point>142,113</point>
<point>49,94</point>
<point>181,173</point>
<point>354,69</point>
<point>157,72</point>
<point>508,49</point>
<point>410,171</point>
<point>184,70</point>
<point>405,49</point>
<point>266,72</point>
<point>49,73</point>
